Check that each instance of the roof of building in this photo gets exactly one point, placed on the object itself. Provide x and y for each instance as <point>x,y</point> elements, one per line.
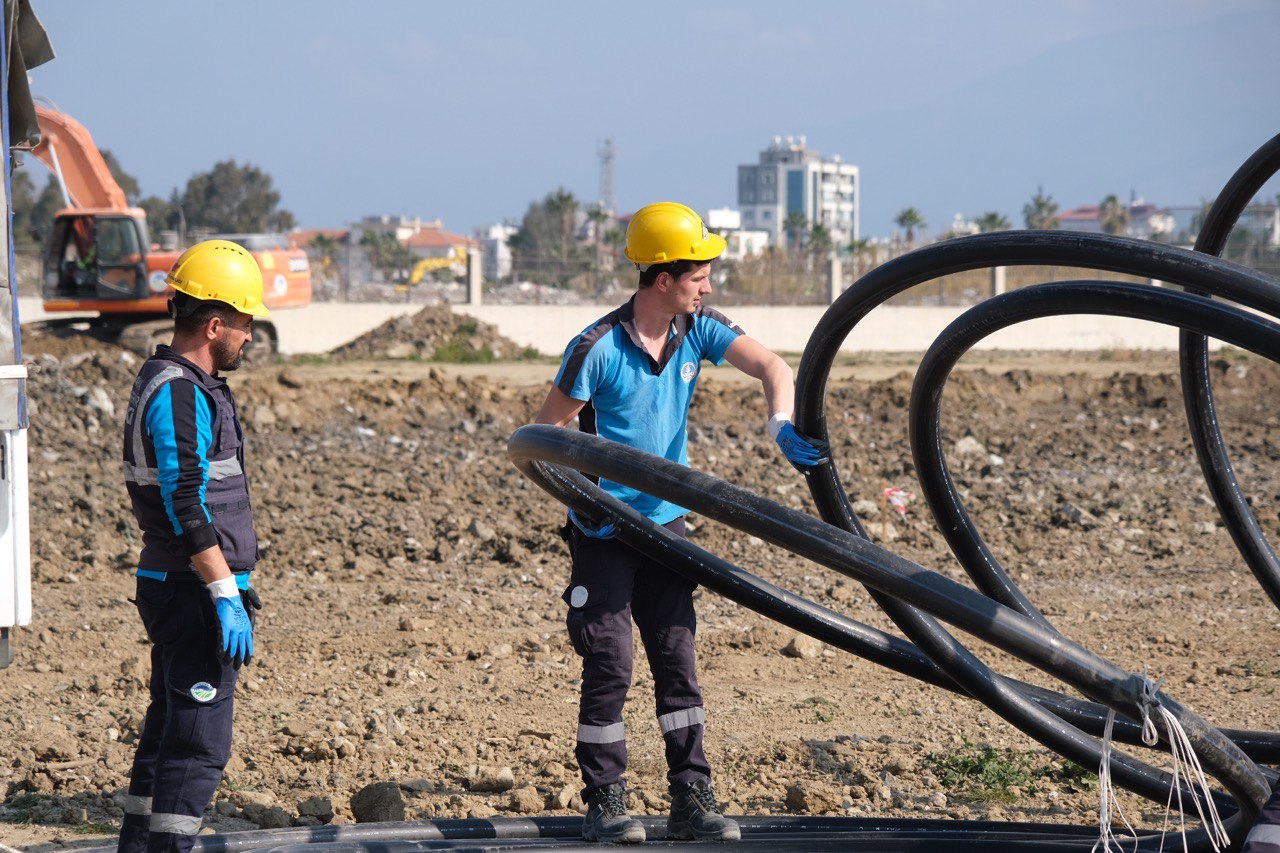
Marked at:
<point>302,238</point>
<point>1080,214</point>
<point>1093,212</point>
<point>438,238</point>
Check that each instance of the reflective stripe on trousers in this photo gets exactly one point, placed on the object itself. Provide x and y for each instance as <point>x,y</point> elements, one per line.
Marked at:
<point>133,804</point>
<point>682,719</point>
<point>1263,838</point>
<point>612,733</point>
<point>178,824</point>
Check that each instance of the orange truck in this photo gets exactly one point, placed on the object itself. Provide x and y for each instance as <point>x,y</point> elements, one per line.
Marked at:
<point>100,258</point>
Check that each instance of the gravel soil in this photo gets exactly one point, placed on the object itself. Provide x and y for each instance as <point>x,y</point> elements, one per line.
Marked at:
<point>413,630</point>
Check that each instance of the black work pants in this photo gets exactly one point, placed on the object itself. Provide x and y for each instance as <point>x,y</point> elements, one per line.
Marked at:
<point>612,585</point>
<point>186,735</point>
<point>1264,837</point>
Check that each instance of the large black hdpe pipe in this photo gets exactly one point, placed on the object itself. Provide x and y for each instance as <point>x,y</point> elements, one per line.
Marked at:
<point>1197,384</point>
<point>552,458</point>
<point>769,833</point>
<point>1023,705</point>
<point>1192,270</point>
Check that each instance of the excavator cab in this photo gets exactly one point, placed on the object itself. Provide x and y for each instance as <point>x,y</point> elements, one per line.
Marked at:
<point>99,256</point>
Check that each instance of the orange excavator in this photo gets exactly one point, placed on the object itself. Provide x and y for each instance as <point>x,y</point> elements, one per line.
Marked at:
<point>100,258</point>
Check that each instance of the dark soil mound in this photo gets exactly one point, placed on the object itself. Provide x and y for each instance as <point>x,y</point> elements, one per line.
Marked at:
<point>433,334</point>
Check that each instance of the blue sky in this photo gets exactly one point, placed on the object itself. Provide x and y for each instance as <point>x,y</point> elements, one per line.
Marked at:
<point>468,111</point>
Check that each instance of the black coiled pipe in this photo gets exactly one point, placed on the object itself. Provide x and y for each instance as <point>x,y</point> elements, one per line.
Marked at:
<point>1197,384</point>
<point>913,596</point>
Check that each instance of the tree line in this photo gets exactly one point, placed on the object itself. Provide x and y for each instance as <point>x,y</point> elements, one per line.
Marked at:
<point>229,198</point>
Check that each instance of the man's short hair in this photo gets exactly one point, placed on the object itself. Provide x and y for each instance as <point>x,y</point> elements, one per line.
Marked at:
<point>673,268</point>
<point>191,314</point>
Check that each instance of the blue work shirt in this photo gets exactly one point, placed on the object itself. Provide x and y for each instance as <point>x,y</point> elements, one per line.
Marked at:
<point>636,400</point>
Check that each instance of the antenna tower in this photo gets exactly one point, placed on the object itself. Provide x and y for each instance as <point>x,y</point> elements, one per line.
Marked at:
<point>607,153</point>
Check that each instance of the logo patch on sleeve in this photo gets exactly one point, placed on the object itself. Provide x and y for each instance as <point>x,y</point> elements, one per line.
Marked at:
<point>203,691</point>
<point>688,370</point>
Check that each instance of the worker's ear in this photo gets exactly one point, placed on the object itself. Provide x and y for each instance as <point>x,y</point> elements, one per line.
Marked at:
<point>663,282</point>
<point>213,328</point>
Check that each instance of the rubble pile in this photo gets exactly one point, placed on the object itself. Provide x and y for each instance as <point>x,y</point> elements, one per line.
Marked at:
<point>435,333</point>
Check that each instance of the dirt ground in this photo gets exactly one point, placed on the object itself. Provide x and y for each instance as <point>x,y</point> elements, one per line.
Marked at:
<point>413,629</point>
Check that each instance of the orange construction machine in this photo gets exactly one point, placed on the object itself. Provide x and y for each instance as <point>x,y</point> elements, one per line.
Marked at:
<point>100,257</point>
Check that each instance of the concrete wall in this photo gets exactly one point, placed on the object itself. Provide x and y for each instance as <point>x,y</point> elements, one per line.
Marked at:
<point>317,328</point>
<point>322,326</point>
<point>886,329</point>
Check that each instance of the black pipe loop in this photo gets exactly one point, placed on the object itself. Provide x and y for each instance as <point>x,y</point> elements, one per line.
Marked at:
<point>1231,325</point>
<point>1197,382</point>
<point>551,457</point>
<point>1170,264</point>
<point>916,598</point>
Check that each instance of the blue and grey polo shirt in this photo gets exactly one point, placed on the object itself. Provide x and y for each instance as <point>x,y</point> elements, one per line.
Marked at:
<point>633,399</point>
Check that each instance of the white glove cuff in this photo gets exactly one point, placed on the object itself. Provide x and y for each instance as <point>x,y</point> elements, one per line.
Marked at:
<point>224,588</point>
<point>775,424</point>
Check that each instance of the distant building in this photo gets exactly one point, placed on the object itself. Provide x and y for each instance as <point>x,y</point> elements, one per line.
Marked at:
<point>425,238</point>
<point>302,238</point>
<point>962,226</point>
<point>791,178</point>
<point>740,242</point>
<point>497,254</point>
<point>1263,221</point>
<point>1146,221</point>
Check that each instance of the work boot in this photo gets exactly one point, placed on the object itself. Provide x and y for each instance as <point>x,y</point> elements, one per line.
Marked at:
<point>607,819</point>
<point>695,814</point>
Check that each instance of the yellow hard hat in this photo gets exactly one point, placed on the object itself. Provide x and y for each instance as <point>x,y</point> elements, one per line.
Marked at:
<point>666,231</point>
<point>220,270</point>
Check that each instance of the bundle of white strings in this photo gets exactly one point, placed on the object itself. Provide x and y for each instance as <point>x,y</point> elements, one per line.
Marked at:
<point>1109,804</point>
<point>1186,767</point>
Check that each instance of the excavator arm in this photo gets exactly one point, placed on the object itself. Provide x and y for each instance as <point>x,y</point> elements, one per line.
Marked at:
<point>457,256</point>
<point>68,150</point>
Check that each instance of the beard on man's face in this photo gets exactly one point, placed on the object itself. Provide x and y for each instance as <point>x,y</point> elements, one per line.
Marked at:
<point>225,357</point>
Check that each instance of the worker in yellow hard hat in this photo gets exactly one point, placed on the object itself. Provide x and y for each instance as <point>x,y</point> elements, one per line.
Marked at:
<point>184,467</point>
<point>629,377</point>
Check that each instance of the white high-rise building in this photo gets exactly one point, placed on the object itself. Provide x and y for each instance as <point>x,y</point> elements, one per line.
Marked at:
<point>791,178</point>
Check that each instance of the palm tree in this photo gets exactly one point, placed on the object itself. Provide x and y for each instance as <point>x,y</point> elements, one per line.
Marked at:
<point>859,248</point>
<point>992,221</point>
<point>387,254</point>
<point>1041,212</point>
<point>1113,216</point>
<point>795,225</point>
<point>564,207</point>
<point>597,216</point>
<point>820,240</point>
<point>909,219</point>
<point>327,249</point>
<point>518,243</point>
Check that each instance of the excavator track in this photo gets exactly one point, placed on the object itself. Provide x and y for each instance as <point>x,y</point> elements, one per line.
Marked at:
<point>143,337</point>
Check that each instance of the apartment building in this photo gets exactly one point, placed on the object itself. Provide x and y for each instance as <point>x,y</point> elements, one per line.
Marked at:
<point>794,179</point>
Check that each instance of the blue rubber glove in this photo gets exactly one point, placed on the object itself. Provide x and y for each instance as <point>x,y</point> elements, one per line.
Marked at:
<point>802,452</point>
<point>604,531</point>
<point>235,631</point>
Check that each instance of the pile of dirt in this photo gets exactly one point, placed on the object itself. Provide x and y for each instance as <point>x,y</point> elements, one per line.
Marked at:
<point>413,630</point>
<point>435,333</point>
